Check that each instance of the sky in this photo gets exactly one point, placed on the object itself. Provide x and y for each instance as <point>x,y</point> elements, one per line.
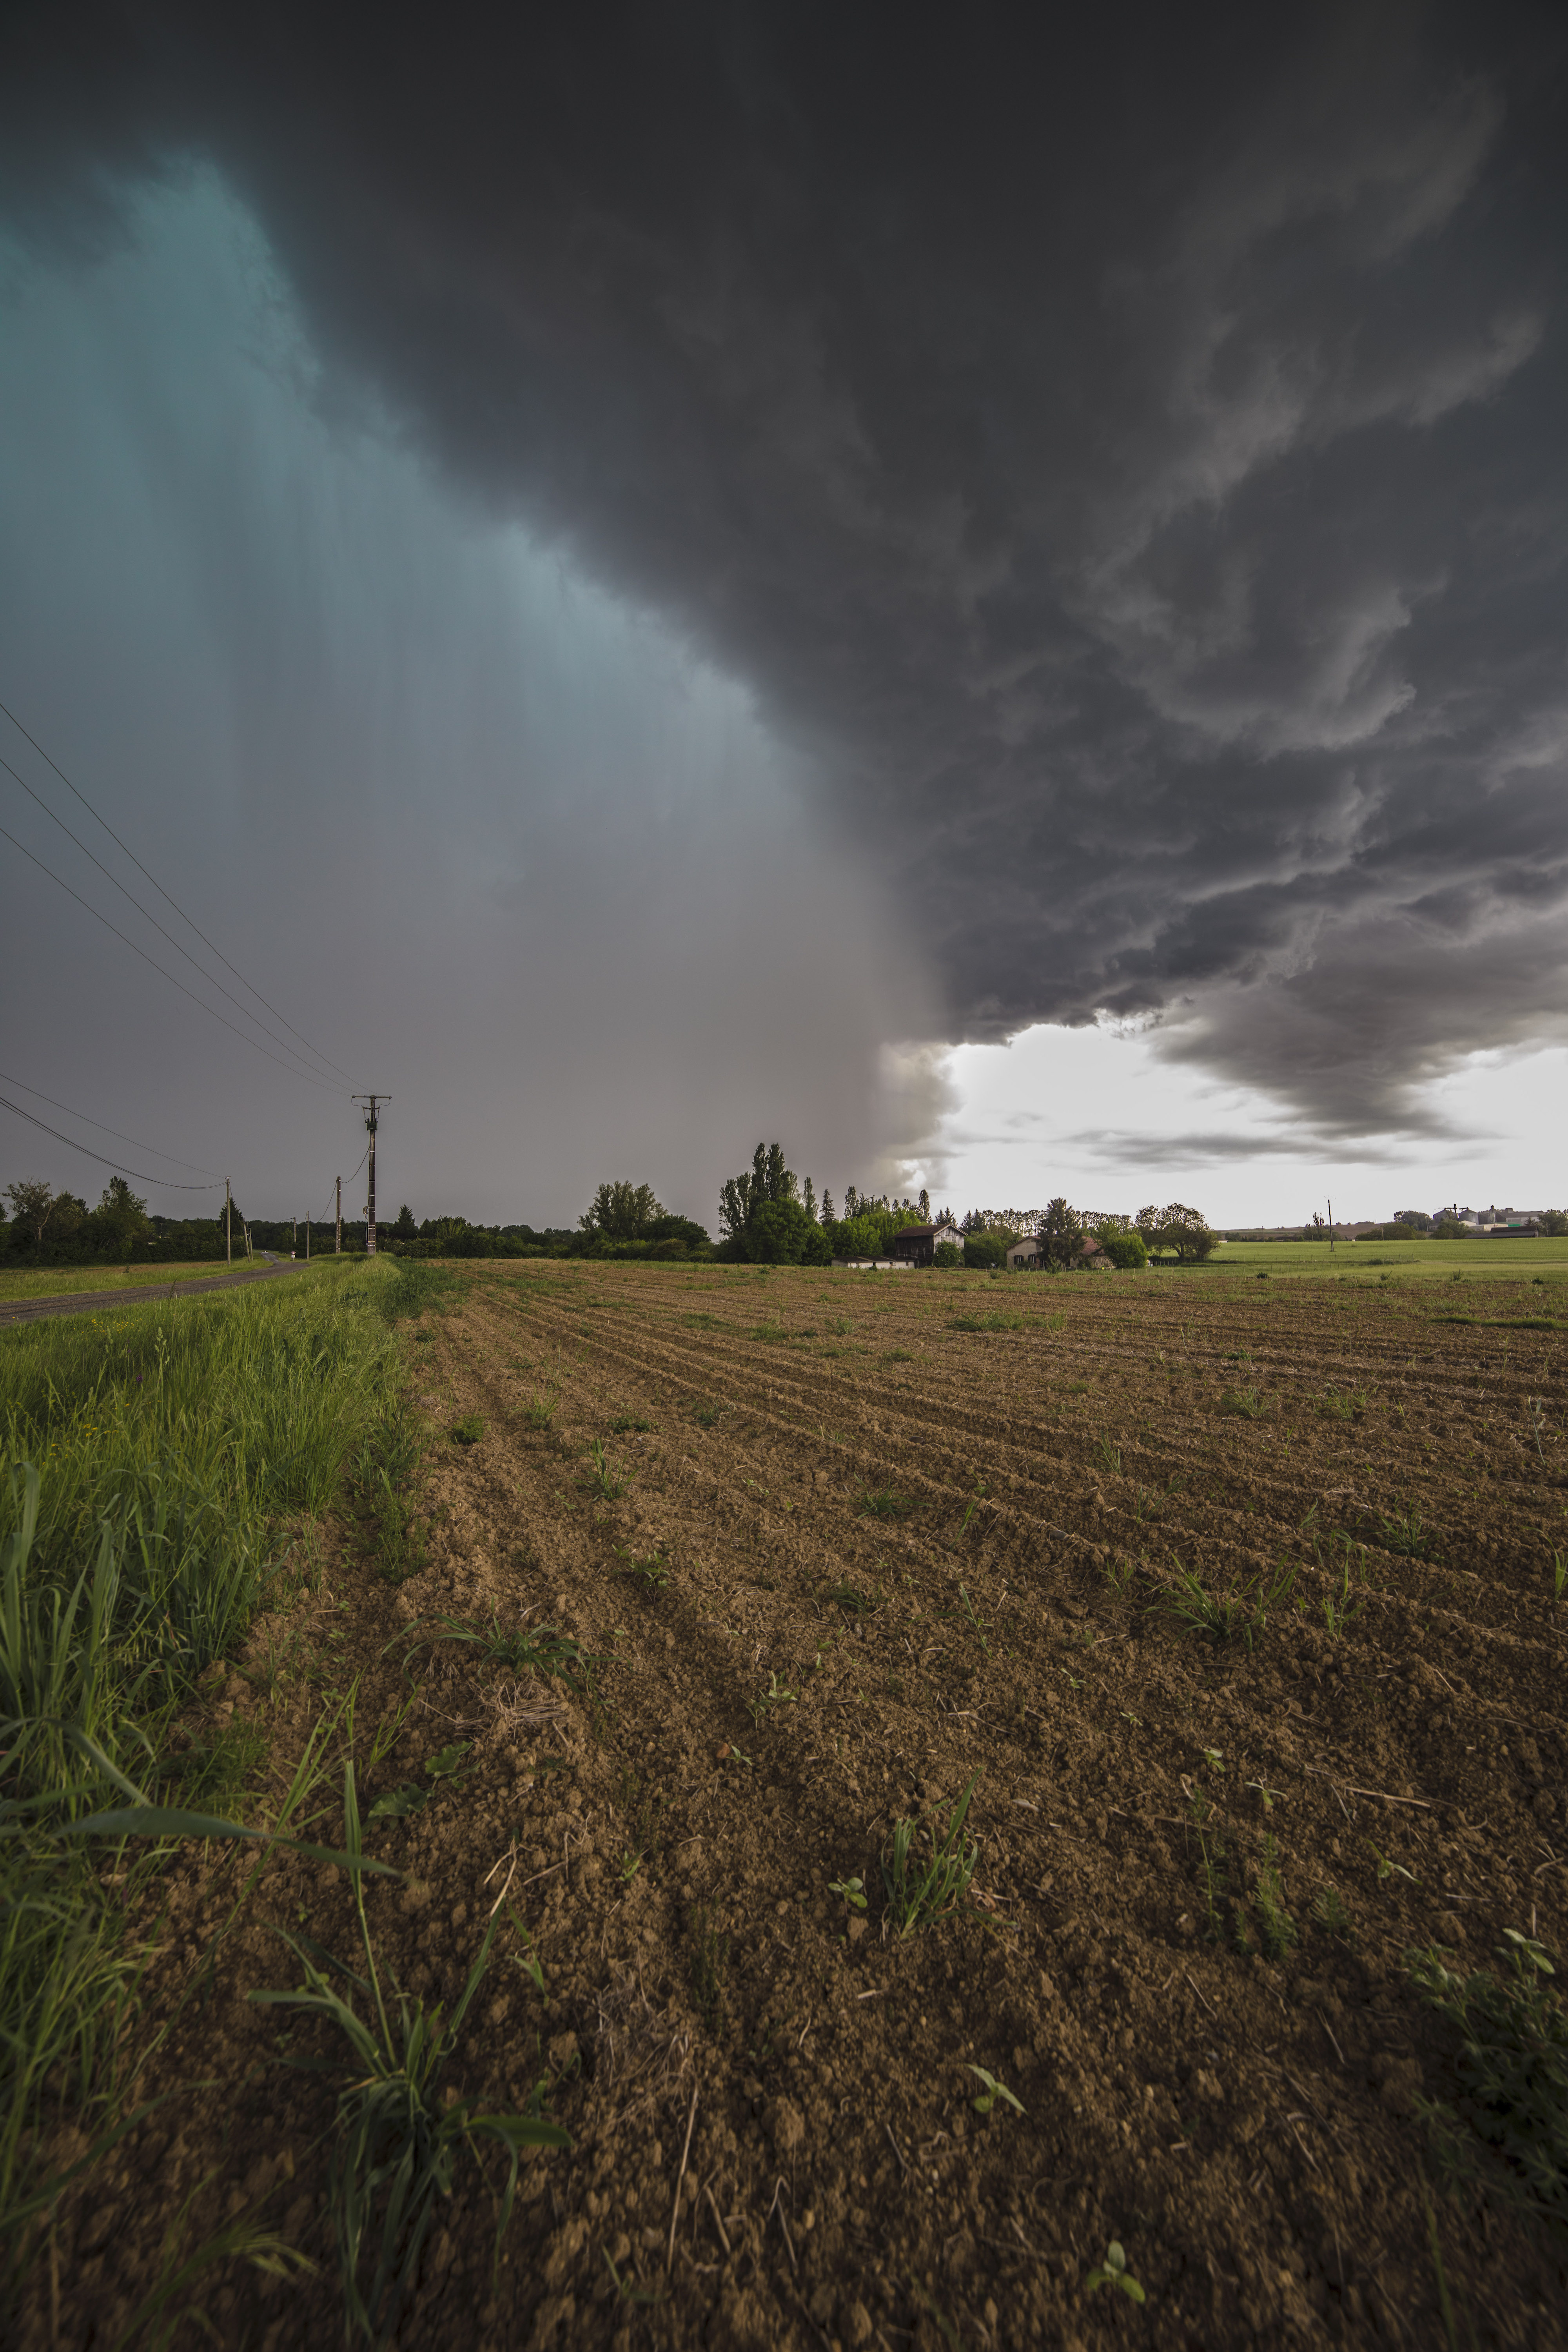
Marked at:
<point>993,608</point>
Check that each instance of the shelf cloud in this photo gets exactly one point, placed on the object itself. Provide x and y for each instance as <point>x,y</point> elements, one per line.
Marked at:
<point>1125,457</point>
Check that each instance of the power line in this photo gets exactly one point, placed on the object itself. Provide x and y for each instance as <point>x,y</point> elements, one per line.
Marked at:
<point>210,978</point>
<point>157,886</point>
<point>293,1067</point>
<point>104,1128</point>
<point>141,1175</point>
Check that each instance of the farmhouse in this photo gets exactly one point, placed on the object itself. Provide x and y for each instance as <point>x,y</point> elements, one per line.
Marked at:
<point>1088,1257</point>
<point>918,1245</point>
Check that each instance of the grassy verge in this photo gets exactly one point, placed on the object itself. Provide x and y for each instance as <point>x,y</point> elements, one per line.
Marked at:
<point>160,1462</point>
<point>65,1281</point>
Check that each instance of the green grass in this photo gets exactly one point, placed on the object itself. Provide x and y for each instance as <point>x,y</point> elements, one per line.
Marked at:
<point>158,1462</point>
<point>65,1281</point>
<point>1502,1261</point>
<point>398,2133</point>
<point>926,1876</point>
<point>1508,2136</point>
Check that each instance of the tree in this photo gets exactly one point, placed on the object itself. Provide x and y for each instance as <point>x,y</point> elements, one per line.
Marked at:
<point>808,1200</point>
<point>948,1254</point>
<point>1059,1233</point>
<point>781,1233</point>
<point>1449,1229</point>
<point>826,1206</point>
<point>33,1203</point>
<point>621,1212</point>
<point>925,1205</point>
<point>1178,1228</point>
<point>121,1218</point>
<point>740,1197</point>
<point>403,1225</point>
<point>985,1249</point>
<point>1554,1221</point>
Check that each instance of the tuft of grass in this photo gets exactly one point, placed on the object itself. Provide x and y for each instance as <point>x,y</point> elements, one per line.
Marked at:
<point>706,1322</point>
<point>540,1411</point>
<point>769,1330</point>
<point>1279,1935</point>
<point>468,1429</point>
<point>1239,1612</point>
<point>886,1503</point>
<point>1406,1534</point>
<point>528,1649</point>
<point>986,1322</point>
<point>1247,1404</point>
<point>1330,1912</point>
<point>706,1413</point>
<point>626,1421</point>
<point>398,2131</point>
<point>1507,2137</point>
<point>602,1474</point>
<point>845,1596</point>
<point>1109,1456</point>
<point>1341,1404</point>
<point>710,1966</point>
<point>923,1890</point>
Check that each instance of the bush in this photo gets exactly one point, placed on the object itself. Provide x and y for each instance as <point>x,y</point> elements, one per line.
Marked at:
<point>985,1249</point>
<point>1124,1250</point>
<point>948,1254</point>
<point>1554,1221</point>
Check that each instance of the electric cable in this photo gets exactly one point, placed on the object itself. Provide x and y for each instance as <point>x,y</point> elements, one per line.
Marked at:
<point>104,1128</point>
<point>140,1173</point>
<point>157,886</point>
<point>243,1009</point>
<point>294,1068</point>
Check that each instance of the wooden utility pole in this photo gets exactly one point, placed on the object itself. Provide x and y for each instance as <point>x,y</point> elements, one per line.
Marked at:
<point>227,1224</point>
<point>1331,1229</point>
<point>372,1103</point>
<point>340,1240</point>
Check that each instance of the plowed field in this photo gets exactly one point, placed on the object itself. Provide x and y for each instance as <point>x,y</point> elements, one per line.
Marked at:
<point>877,1540</point>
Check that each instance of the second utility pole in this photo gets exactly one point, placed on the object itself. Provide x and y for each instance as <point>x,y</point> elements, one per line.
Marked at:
<point>340,1246</point>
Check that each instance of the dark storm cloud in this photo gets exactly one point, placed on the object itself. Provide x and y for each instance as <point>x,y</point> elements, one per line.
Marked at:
<point>1130,457</point>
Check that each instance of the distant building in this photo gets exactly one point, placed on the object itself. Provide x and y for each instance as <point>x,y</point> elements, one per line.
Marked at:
<point>918,1245</point>
<point>1088,1257</point>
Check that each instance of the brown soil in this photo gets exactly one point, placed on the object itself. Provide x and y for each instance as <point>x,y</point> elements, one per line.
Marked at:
<point>1243,2124</point>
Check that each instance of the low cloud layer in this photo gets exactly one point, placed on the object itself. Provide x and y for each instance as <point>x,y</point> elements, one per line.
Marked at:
<point>1127,464</point>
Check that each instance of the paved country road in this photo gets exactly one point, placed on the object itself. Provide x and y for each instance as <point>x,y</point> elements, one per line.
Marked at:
<point>79,1302</point>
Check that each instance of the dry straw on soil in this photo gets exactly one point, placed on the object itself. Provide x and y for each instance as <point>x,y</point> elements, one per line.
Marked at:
<point>1254,1703</point>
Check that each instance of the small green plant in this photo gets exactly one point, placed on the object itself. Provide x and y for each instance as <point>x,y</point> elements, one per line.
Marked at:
<point>1342,1609</point>
<point>625,2292</point>
<point>1559,1574</point>
<point>1341,1405</point>
<point>991,2091</point>
<point>710,1965</point>
<point>603,1476</point>
<point>886,1503</point>
<point>1109,1456</point>
<point>770,1330</point>
<point>845,1596</point>
<point>1329,1911</point>
<point>706,1413</point>
<point>1211,1857</point>
<point>850,1890</point>
<point>775,1695</point>
<point>448,1763</point>
<point>398,2132</point>
<point>540,1411</point>
<point>1279,1927</point>
<point>986,1322</point>
<point>976,1627</point>
<point>469,1431</point>
<point>650,1570</point>
<point>623,1422</point>
<point>1509,2136</point>
<point>922,1891</point>
<point>1113,2272</point>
